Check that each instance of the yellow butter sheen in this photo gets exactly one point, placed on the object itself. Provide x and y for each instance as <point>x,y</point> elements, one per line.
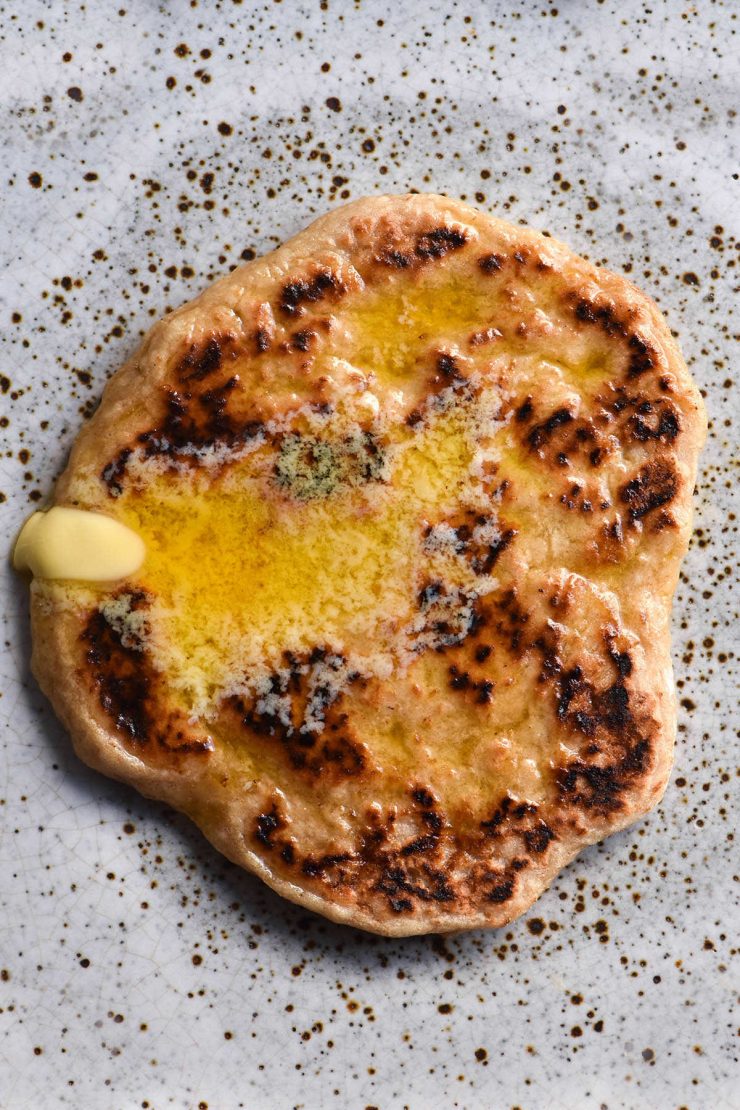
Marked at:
<point>234,572</point>
<point>78,545</point>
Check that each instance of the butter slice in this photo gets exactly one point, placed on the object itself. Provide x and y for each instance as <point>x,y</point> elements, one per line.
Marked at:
<point>79,545</point>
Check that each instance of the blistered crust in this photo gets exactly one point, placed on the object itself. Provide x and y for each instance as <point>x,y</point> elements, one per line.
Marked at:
<point>568,618</point>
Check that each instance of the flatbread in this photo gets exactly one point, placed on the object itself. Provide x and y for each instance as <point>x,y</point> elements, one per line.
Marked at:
<point>415,488</point>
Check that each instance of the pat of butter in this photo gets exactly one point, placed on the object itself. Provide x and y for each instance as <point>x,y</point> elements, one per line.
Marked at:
<point>76,544</point>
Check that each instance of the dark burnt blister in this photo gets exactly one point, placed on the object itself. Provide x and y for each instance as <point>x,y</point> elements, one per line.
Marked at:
<point>262,340</point>
<point>201,362</point>
<point>614,725</point>
<point>403,876</point>
<point>621,735</point>
<point>654,485</point>
<point>491,263</point>
<point>522,820</point>
<point>501,890</point>
<point>439,241</point>
<point>539,838</point>
<point>394,259</point>
<point>131,691</point>
<point>511,620</point>
<point>299,707</point>
<point>480,690</point>
<point>302,340</point>
<point>655,420</point>
<point>641,356</point>
<point>266,825</point>
<point>446,385</point>
<point>203,413</point>
<point>295,295</point>
<point>197,422</point>
<point>621,418</point>
<point>601,788</point>
<point>541,434</point>
<point>402,253</point>
<point>524,411</point>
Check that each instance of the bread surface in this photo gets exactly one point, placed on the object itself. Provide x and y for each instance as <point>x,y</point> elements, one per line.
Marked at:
<point>415,489</point>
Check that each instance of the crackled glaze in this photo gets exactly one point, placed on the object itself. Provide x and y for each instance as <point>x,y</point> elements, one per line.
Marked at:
<point>145,154</point>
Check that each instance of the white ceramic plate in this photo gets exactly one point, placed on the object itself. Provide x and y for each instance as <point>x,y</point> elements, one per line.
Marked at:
<point>145,150</point>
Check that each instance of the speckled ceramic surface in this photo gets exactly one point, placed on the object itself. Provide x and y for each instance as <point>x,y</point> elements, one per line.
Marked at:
<point>148,148</point>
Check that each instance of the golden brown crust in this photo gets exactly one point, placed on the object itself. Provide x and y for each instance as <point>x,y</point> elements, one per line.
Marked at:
<point>533,712</point>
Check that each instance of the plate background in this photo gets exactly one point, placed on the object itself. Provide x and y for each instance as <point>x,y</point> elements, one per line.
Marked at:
<point>146,148</point>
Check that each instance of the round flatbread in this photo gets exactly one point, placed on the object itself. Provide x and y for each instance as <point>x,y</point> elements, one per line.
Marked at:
<point>414,490</point>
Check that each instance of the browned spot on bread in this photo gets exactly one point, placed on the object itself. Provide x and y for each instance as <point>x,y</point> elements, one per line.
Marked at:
<point>202,361</point>
<point>538,838</point>
<point>480,691</point>
<point>445,384</point>
<point>601,787</point>
<point>132,692</point>
<point>377,866</point>
<point>507,814</point>
<point>502,889</point>
<point>655,484</point>
<point>510,619</point>
<point>654,420</point>
<point>614,417</point>
<point>412,872</point>
<point>523,821</point>
<point>394,259</point>
<point>491,263</point>
<point>404,252</point>
<point>313,867</point>
<point>542,433</point>
<point>296,294</point>
<point>262,340</point>
<point>206,409</point>
<point>662,521</point>
<point>267,824</point>
<point>263,335</point>
<point>525,410</point>
<point>439,241</point>
<point>641,355</point>
<point>617,723</point>
<point>299,706</point>
<point>193,420</point>
<point>603,315</point>
<point>576,499</point>
<point>609,722</point>
<point>198,420</point>
<point>480,537</point>
<point>446,374</point>
<point>406,873</point>
<point>301,340</point>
